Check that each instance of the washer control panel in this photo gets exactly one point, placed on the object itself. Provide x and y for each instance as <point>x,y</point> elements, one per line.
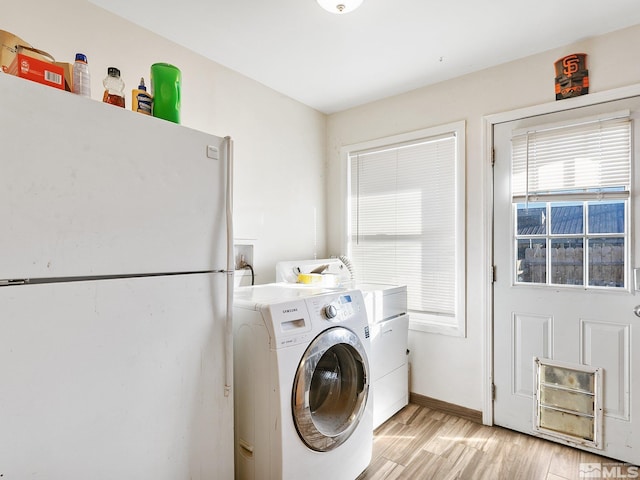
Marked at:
<point>337,308</point>
<point>294,315</point>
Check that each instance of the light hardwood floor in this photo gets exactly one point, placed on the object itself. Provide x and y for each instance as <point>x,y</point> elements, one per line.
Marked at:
<point>419,443</point>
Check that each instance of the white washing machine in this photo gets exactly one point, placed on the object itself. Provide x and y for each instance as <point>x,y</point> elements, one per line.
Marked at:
<point>302,379</point>
<point>388,318</point>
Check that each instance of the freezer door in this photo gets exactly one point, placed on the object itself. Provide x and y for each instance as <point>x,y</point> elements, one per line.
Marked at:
<point>115,379</point>
<point>91,189</point>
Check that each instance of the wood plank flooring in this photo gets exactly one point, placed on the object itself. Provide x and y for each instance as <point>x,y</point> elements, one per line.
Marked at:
<point>419,443</point>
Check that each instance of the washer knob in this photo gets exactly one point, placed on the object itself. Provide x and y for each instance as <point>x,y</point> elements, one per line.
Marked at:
<point>330,311</point>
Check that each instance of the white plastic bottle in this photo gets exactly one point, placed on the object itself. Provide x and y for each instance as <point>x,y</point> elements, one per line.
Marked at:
<point>81,77</point>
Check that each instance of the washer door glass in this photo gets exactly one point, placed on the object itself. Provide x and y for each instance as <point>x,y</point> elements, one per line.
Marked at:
<point>330,389</point>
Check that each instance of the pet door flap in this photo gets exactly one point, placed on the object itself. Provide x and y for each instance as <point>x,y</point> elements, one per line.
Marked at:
<point>568,402</point>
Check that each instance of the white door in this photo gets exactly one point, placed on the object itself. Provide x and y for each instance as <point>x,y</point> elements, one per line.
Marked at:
<point>564,290</point>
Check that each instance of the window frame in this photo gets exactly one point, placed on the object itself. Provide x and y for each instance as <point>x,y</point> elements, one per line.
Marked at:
<point>420,321</point>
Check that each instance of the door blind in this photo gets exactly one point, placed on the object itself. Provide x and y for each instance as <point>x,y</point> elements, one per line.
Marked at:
<point>589,159</point>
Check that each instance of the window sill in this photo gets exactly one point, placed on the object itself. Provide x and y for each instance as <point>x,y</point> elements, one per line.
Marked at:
<point>429,324</point>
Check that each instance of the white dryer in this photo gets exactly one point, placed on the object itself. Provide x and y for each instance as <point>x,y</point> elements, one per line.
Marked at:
<point>389,328</point>
<point>302,379</point>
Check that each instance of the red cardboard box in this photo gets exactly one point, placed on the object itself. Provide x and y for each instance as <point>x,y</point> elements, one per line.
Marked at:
<point>37,70</point>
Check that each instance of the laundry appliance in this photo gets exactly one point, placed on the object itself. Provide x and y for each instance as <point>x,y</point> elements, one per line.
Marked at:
<point>388,318</point>
<point>302,379</point>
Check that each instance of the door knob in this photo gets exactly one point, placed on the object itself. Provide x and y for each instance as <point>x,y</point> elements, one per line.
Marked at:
<point>636,310</point>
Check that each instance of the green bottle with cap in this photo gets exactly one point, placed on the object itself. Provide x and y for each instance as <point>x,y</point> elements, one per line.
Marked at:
<point>165,88</point>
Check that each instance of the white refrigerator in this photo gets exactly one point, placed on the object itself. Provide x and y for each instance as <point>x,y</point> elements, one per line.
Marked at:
<point>116,276</point>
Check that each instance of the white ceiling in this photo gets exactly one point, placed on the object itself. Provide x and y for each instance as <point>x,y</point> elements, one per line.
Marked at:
<point>386,47</point>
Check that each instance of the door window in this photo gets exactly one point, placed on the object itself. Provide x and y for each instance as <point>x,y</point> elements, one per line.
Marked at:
<point>571,243</point>
<point>570,188</point>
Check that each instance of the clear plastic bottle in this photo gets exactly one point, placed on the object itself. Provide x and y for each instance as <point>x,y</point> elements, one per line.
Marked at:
<point>113,88</point>
<point>81,77</point>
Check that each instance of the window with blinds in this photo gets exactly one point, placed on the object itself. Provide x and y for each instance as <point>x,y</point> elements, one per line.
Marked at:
<point>571,187</point>
<point>406,215</point>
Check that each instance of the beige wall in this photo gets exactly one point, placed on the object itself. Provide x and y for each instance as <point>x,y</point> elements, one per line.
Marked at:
<point>279,143</point>
<point>449,368</point>
<point>287,199</point>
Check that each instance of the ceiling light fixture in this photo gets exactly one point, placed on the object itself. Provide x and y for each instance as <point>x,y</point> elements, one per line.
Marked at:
<point>339,6</point>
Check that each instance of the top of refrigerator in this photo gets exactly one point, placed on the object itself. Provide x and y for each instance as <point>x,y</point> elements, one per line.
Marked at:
<point>105,191</point>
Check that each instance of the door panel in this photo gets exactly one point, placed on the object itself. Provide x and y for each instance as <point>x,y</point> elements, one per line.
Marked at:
<point>532,336</point>
<point>564,320</point>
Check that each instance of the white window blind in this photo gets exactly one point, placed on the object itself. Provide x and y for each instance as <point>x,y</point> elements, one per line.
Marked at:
<point>587,160</point>
<point>404,212</point>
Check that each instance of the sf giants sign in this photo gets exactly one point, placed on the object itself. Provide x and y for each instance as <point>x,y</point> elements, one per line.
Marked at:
<point>572,76</point>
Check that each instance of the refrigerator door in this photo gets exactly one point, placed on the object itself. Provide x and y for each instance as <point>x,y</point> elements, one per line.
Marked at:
<point>116,378</point>
<point>87,188</point>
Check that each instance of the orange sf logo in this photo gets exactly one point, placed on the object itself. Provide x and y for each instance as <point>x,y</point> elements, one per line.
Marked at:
<point>571,64</point>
